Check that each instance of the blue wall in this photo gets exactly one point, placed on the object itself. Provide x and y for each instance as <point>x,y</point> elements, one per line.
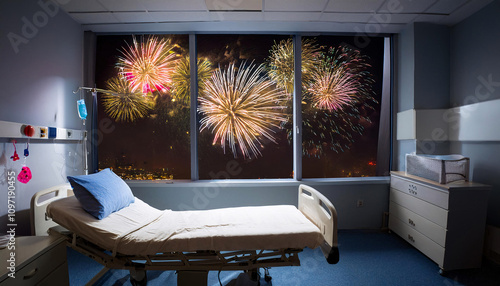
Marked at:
<point>422,79</point>
<point>405,69</point>
<point>432,66</point>
<point>441,67</point>
<point>41,56</point>
<point>475,77</point>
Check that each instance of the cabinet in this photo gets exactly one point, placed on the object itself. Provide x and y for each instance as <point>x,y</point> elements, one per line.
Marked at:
<point>446,222</point>
<point>40,260</point>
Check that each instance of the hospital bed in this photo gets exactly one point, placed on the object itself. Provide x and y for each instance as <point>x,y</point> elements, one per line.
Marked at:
<point>140,238</point>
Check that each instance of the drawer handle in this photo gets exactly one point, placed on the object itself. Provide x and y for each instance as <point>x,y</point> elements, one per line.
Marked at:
<point>411,222</point>
<point>410,238</point>
<point>30,274</point>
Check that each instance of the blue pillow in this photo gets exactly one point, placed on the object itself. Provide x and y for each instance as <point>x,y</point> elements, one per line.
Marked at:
<point>101,193</point>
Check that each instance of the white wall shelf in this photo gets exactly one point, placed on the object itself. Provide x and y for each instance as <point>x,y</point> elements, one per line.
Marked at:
<point>473,122</point>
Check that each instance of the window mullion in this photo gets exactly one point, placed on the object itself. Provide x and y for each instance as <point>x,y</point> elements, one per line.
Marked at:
<point>193,112</point>
<point>297,108</point>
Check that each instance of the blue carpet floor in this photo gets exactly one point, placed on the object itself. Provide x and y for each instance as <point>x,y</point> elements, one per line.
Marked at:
<point>366,258</point>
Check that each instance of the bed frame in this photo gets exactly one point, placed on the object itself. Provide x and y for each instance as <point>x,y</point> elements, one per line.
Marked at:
<point>193,267</point>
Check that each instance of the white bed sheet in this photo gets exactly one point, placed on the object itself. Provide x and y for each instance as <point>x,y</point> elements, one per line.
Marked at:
<point>140,229</point>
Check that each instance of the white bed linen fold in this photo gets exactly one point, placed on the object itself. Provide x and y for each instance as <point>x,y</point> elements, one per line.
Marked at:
<point>143,230</point>
<point>105,233</point>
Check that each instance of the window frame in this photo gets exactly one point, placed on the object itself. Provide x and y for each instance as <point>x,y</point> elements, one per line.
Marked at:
<point>297,122</point>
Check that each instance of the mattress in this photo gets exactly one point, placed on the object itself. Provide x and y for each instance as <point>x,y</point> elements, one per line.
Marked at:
<point>140,229</point>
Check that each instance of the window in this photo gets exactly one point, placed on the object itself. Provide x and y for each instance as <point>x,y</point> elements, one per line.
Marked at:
<point>341,95</point>
<point>244,110</point>
<point>149,108</point>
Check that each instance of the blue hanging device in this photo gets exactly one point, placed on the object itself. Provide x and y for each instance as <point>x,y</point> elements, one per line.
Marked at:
<point>82,109</point>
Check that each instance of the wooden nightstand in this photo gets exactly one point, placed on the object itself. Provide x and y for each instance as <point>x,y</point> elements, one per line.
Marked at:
<point>446,222</point>
<point>40,260</point>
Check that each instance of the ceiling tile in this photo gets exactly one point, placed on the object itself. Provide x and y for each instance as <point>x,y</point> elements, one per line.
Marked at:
<point>178,5</point>
<point>406,6</point>
<point>228,5</point>
<point>91,18</point>
<point>295,5</point>
<point>83,6</point>
<point>338,15</point>
<point>123,5</point>
<point>292,16</point>
<point>445,6</point>
<point>354,6</point>
<point>346,17</point>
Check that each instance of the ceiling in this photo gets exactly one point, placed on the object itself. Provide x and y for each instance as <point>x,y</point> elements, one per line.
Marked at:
<point>352,16</point>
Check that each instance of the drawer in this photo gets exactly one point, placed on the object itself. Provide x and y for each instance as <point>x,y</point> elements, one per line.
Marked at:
<point>419,223</point>
<point>35,271</point>
<point>429,211</point>
<point>432,195</point>
<point>58,277</point>
<point>428,247</point>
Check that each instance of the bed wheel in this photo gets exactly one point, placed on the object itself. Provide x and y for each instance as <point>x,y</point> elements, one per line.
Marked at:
<point>333,256</point>
<point>267,277</point>
<point>134,282</point>
<point>254,275</point>
<point>138,277</point>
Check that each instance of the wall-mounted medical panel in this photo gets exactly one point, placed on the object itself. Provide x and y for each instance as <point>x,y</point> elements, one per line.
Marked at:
<point>15,130</point>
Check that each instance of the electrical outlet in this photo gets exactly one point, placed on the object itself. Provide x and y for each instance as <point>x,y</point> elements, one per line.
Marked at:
<point>359,203</point>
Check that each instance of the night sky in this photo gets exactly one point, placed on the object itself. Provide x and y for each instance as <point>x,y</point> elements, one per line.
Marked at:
<point>153,145</point>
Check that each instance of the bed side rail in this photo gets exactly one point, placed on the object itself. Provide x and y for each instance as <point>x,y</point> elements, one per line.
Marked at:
<point>323,214</point>
<point>40,223</point>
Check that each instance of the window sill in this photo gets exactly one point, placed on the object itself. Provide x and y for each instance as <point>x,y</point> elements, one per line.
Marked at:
<point>257,182</point>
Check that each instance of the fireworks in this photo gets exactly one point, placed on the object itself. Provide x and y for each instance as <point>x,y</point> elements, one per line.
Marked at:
<point>127,105</point>
<point>336,101</point>
<point>280,63</point>
<point>340,80</point>
<point>181,79</point>
<point>330,79</point>
<point>332,88</point>
<point>148,65</point>
<point>243,106</point>
<point>240,107</point>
